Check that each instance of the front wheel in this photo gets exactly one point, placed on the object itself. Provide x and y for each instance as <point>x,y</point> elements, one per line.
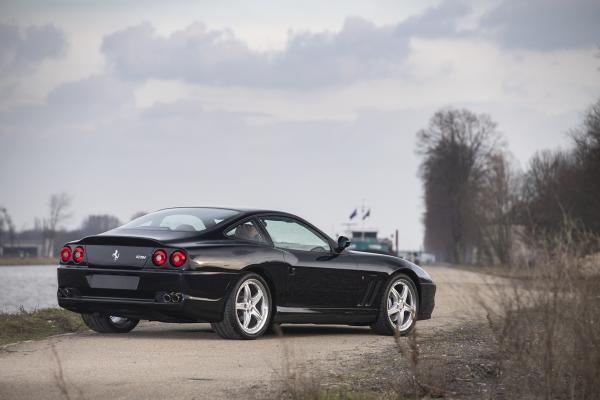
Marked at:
<point>398,308</point>
<point>109,323</point>
<point>247,310</point>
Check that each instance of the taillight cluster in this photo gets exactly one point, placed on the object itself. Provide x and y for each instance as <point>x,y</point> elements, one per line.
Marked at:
<point>177,259</point>
<point>159,258</point>
<point>77,255</point>
<point>65,254</point>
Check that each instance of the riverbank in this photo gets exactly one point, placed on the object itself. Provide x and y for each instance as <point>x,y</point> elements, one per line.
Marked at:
<point>38,324</point>
<point>28,261</point>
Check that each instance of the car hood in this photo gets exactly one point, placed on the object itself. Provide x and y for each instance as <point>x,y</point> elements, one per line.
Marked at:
<point>362,256</point>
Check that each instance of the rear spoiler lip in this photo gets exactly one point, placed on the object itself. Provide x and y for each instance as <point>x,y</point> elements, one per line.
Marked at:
<point>147,242</point>
<point>120,241</point>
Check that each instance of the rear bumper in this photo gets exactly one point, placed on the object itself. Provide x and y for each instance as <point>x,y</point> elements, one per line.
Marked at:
<point>203,293</point>
<point>427,303</point>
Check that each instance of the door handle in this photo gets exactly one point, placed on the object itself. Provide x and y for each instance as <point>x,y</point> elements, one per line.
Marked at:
<point>292,270</point>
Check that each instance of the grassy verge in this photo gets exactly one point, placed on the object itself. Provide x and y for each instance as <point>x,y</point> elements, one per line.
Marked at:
<point>38,324</point>
<point>458,363</point>
<point>470,362</point>
<point>28,261</point>
<point>548,333</point>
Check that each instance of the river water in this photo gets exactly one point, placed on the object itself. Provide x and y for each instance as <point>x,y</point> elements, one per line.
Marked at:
<point>29,286</point>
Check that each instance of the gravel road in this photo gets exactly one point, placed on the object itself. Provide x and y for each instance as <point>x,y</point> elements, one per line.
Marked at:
<point>158,361</point>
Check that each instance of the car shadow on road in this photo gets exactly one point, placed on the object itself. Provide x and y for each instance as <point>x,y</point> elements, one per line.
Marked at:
<point>205,332</point>
<point>321,330</point>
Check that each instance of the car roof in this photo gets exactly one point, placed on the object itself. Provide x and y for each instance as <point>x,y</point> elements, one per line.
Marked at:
<point>249,212</point>
<point>241,210</point>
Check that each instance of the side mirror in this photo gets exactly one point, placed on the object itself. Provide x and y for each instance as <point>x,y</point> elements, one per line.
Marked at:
<point>342,243</point>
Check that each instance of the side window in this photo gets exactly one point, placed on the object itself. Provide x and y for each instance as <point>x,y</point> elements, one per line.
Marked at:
<point>289,234</point>
<point>246,231</point>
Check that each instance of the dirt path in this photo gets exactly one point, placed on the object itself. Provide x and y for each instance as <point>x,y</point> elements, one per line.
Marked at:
<point>158,361</point>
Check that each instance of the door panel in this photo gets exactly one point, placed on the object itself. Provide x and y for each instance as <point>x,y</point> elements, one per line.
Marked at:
<point>323,280</point>
<point>316,276</point>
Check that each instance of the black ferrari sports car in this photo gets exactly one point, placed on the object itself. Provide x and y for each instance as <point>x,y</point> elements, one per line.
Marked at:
<point>240,270</point>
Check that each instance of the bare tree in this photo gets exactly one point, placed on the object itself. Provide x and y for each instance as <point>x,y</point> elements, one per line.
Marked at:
<point>548,192</point>
<point>587,164</point>
<point>94,224</point>
<point>456,147</point>
<point>501,192</point>
<point>475,200</point>
<point>6,226</point>
<point>565,185</point>
<point>59,213</point>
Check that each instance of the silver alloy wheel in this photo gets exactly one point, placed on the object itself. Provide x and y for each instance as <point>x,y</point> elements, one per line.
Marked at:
<point>401,305</point>
<point>252,306</point>
<point>119,321</point>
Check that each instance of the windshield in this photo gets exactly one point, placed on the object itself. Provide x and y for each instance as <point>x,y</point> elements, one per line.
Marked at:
<point>181,219</point>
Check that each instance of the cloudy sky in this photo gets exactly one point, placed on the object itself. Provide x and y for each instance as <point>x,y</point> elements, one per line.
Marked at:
<point>310,107</point>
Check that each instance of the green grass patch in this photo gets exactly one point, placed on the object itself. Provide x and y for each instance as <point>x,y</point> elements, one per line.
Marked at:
<point>38,324</point>
<point>28,261</point>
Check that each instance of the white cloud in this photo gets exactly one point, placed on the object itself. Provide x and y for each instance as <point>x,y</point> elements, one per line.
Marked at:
<point>359,50</point>
<point>24,48</point>
<point>85,104</point>
<point>215,57</point>
<point>545,24</point>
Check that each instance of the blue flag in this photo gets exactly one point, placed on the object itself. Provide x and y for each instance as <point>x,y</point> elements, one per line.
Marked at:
<point>367,214</point>
<point>354,213</point>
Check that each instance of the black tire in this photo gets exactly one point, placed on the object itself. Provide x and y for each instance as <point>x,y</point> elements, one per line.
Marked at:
<point>104,324</point>
<point>229,327</point>
<point>383,325</point>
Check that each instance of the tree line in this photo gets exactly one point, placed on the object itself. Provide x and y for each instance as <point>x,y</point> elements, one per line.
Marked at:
<point>49,232</point>
<point>481,208</point>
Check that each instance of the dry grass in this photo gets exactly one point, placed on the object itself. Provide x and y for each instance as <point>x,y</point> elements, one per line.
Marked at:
<point>296,381</point>
<point>413,377</point>
<point>548,328</point>
<point>38,324</point>
<point>418,377</point>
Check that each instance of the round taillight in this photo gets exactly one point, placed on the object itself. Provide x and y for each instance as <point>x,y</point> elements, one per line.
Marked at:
<point>159,258</point>
<point>65,254</point>
<point>178,258</point>
<point>78,255</point>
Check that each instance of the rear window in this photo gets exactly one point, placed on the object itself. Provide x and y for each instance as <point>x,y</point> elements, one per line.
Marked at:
<point>181,219</point>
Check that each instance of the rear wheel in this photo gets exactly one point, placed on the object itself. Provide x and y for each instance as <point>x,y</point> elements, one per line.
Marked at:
<point>109,323</point>
<point>398,307</point>
<point>247,310</point>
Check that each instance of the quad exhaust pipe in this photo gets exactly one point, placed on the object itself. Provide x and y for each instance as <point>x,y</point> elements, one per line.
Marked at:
<point>173,297</point>
<point>66,292</point>
<point>177,298</point>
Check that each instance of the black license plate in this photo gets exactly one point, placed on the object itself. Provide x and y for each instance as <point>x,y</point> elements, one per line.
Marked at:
<point>113,282</point>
